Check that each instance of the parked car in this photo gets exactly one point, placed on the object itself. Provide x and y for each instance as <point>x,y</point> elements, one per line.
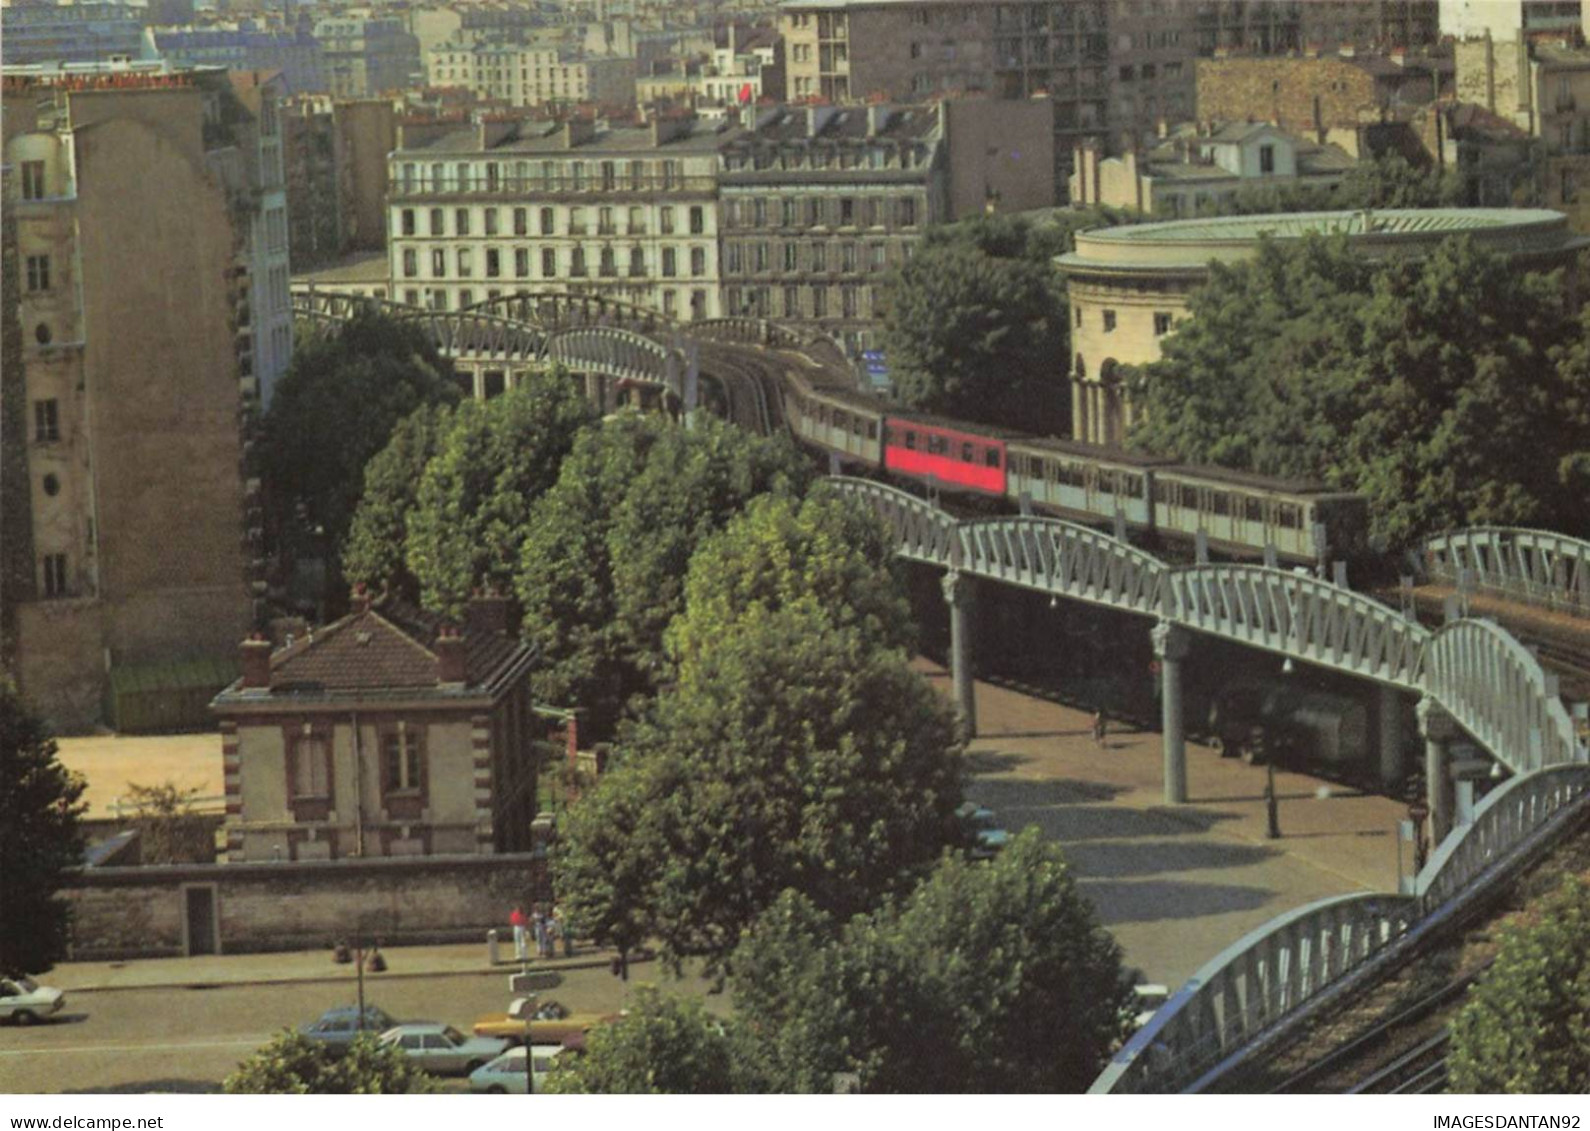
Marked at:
<point>551,1022</point>
<point>337,1028</point>
<point>25,1001</point>
<point>442,1049</point>
<point>987,837</point>
<point>506,1073</point>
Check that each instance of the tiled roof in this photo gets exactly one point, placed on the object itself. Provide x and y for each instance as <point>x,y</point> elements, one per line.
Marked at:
<point>389,648</point>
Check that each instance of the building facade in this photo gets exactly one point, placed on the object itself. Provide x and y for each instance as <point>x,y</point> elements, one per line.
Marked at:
<point>71,33</point>
<point>244,45</point>
<point>336,160</point>
<point>522,75</point>
<point>628,212</point>
<point>366,54</point>
<point>820,203</point>
<point>1198,167</point>
<point>1129,286</point>
<point>129,384</point>
<point>386,733</point>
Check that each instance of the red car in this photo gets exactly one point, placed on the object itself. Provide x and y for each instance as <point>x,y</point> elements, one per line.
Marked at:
<point>945,454</point>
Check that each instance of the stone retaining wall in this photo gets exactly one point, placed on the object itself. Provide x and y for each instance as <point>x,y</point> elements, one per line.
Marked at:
<point>144,912</point>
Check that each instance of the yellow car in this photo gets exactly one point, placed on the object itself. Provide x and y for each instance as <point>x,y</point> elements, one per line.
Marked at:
<point>550,1022</point>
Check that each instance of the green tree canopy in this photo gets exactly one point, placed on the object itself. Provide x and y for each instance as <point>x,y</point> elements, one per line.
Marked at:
<point>603,561</point>
<point>792,753</point>
<point>291,1064</point>
<point>781,552</point>
<point>332,411</point>
<point>40,806</point>
<point>474,500</point>
<point>1389,181</point>
<point>375,554</point>
<point>662,1045</point>
<point>1000,967</point>
<point>1526,1026</point>
<point>1445,389</point>
<point>977,337</point>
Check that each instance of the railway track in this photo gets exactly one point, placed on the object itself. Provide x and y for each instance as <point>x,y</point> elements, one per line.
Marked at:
<point>1392,1037</point>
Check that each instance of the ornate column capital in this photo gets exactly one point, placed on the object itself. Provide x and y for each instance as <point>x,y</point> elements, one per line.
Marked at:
<point>1171,641</point>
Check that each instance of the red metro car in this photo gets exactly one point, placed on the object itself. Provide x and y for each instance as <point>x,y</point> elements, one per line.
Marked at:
<point>945,452</point>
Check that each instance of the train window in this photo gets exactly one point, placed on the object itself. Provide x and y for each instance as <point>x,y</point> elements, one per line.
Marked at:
<point>858,426</point>
<point>1221,501</point>
<point>910,441</point>
<point>1073,475</point>
<point>937,446</point>
<point>1134,486</point>
<point>872,429</point>
<point>841,420</point>
<point>1161,492</point>
<point>1289,516</point>
<point>966,453</point>
<point>991,457</point>
<point>1253,509</point>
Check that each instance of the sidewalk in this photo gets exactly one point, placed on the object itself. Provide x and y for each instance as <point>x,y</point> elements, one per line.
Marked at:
<point>305,966</point>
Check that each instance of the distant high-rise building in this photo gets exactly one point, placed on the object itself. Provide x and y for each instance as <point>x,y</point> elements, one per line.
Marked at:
<point>71,33</point>
<point>367,55</point>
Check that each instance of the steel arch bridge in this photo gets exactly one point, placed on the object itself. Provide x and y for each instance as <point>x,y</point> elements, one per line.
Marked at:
<point>571,333</point>
<point>1491,685</point>
<point>1533,566</point>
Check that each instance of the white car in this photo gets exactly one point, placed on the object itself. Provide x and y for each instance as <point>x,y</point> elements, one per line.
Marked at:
<point>442,1049</point>
<point>25,1001</point>
<point>506,1073</point>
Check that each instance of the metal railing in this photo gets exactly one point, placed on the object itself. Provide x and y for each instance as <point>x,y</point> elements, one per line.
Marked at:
<point>1533,566</point>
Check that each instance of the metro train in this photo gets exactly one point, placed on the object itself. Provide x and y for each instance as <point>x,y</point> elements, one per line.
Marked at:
<point>1240,514</point>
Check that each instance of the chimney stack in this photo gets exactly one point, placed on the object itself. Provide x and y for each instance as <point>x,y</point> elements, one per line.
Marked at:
<point>450,656</point>
<point>255,653</point>
<point>489,612</point>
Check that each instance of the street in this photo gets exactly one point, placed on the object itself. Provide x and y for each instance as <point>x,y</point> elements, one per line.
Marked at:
<point>182,1039</point>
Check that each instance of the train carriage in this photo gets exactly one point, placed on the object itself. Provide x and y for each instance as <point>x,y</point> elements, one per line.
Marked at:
<point>945,453</point>
<point>1243,512</point>
<point>846,424</point>
<point>1082,481</point>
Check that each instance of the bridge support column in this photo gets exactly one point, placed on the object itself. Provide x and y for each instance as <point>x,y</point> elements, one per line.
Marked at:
<point>596,391</point>
<point>1439,729</point>
<point>1170,647</point>
<point>1392,766</point>
<point>959,593</point>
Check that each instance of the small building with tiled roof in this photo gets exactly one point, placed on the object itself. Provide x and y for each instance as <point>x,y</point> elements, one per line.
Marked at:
<point>389,732</point>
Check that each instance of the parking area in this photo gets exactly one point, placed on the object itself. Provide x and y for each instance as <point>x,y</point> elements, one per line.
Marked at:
<point>1174,884</point>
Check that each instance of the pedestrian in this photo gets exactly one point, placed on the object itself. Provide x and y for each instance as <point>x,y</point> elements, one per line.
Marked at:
<point>560,922</point>
<point>520,924</point>
<point>538,926</point>
<point>1100,726</point>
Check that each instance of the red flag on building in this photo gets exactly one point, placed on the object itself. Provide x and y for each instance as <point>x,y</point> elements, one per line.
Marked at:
<point>745,94</point>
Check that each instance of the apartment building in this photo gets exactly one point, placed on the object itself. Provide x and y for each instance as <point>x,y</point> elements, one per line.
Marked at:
<point>71,33</point>
<point>522,75</point>
<point>336,160</point>
<point>1542,86</point>
<point>821,202</point>
<point>366,54</point>
<point>579,207</point>
<point>243,45</point>
<point>133,341</point>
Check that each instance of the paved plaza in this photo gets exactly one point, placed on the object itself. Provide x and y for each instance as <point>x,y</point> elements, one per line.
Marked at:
<point>1174,884</point>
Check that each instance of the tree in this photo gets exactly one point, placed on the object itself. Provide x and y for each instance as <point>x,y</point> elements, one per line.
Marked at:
<point>603,562</point>
<point>291,1064</point>
<point>662,1045</point>
<point>332,411</point>
<point>999,966</point>
<point>375,553</point>
<point>473,504</point>
<point>1526,1025</point>
<point>782,551</point>
<point>40,840</point>
<point>1384,182</point>
<point>975,337</point>
<point>169,831</point>
<point>792,753</point>
<point>1447,390</point>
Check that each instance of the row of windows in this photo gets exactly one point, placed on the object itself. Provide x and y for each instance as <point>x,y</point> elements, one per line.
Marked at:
<point>436,299</point>
<point>402,764</point>
<point>852,422</point>
<point>817,211</point>
<point>544,176</point>
<point>1162,321</point>
<point>798,302</point>
<point>763,257</point>
<point>577,221</point>
<point>935,444</point>
<point>609,262</point>
<point>1218,501</point>
<point>1067,473</point>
